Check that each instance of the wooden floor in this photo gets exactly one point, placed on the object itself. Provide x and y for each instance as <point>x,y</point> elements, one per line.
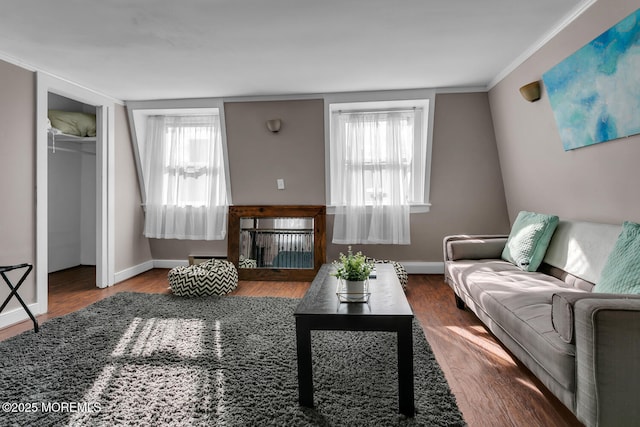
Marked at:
<point>491,388</point>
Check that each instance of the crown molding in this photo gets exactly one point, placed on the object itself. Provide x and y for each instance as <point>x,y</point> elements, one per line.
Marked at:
<point>18,63</point>
<point>561,25</point>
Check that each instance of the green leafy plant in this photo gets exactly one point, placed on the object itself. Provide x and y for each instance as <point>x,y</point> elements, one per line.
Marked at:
<point>352,266</point>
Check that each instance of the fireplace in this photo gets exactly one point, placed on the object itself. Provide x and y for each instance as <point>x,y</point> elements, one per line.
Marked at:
<point>279,242</point>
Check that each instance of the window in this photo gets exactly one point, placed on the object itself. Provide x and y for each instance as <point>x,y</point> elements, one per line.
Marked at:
<point>180,151</point>
<point>378,160</point>
<point>186,185</point>
<point>189,150</point>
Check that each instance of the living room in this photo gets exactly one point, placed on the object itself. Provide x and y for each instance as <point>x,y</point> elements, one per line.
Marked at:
<point>493,155</point>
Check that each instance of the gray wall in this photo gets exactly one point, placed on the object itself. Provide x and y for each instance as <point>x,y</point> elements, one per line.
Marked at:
<point>466,186</point>
<point>258,157</point>
<point>597,183</point>
<point>17,174</point>
<point>131,247</point>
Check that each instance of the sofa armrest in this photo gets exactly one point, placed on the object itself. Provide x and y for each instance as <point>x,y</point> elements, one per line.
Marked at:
<point>607,361</point>
<point>462,246</point>
<point>563,306</point>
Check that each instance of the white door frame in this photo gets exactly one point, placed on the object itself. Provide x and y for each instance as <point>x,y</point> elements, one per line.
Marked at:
<point>105,157</point>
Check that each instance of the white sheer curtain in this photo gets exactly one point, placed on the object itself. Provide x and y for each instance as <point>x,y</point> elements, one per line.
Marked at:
<point>185,178</point>
<point>371,157</point>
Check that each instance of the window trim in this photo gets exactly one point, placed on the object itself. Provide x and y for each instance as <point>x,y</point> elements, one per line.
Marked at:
<point>377,100</point>
<point>138,111</point>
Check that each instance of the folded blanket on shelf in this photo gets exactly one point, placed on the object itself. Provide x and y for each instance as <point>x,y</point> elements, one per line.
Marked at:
<point>72,122</point>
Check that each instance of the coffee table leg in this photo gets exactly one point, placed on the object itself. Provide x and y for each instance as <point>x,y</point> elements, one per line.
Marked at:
<point>305,370</point>
<point>405,370</point>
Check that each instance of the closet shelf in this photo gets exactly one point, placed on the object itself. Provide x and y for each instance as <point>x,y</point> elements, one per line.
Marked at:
<point>64,137</point>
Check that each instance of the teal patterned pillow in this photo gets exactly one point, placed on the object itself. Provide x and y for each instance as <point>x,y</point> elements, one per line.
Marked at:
<point>621,272</point>
<point>529,238</point>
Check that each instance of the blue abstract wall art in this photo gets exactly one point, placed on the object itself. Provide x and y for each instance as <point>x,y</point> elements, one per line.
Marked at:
<point>595,93</point>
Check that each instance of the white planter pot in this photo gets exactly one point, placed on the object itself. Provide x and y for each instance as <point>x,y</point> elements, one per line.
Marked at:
<point>355,286</point>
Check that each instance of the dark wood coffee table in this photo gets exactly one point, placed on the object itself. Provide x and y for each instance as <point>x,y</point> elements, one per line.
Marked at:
<point>386,310</point>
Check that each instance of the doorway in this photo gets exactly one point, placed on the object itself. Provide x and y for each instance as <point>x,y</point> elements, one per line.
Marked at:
<point>97,225</point>
<point>72,236</point>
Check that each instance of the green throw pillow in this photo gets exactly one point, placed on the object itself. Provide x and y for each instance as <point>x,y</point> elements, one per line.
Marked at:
<point>621,272</point>
<point>529,238</point>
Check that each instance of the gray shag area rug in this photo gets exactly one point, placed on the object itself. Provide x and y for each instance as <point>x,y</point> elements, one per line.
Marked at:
<point>154,360</point>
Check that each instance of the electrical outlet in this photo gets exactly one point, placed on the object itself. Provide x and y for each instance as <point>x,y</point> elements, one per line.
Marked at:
<point>280,183</point>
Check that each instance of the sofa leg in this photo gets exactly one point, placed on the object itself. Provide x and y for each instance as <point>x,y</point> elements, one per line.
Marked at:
<point>459,302</point>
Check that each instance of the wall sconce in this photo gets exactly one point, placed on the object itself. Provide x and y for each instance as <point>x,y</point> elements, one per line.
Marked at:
<point>531,91</point>
<point>274,125</point>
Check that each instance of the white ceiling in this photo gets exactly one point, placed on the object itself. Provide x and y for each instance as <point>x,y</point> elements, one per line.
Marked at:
<point>156,49</point>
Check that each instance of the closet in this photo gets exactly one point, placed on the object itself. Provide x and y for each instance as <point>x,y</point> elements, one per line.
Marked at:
<point>71,161</point>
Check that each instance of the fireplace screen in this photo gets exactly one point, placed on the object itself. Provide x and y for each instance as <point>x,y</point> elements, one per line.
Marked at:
<point>276,243</point>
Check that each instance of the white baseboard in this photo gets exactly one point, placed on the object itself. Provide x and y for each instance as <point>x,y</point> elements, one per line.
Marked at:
<point>130,272</point>
<point>133,271</point>
<point>423,267</point>
<point>412,267</point>
<point>18,315</point>
<point>169,263</point>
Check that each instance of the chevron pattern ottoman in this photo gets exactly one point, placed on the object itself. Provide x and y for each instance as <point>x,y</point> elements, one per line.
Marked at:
<point>403,277</point>
<point>213,277</point>
<point>247,262</point>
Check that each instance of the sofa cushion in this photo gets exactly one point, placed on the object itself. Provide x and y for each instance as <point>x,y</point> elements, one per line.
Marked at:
<point>568,278</point>
<point>519,303</point>
<point>621,272</point>
<point>529,238</point>
<point>581,248</point>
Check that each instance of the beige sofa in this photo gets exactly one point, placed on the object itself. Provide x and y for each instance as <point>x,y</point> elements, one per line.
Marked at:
<point>584,346</point>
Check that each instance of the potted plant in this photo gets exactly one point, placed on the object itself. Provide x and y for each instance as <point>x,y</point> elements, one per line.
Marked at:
<point>353,270</point>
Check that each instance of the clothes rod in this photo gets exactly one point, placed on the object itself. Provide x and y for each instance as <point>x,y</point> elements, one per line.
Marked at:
<point>69,150</point>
